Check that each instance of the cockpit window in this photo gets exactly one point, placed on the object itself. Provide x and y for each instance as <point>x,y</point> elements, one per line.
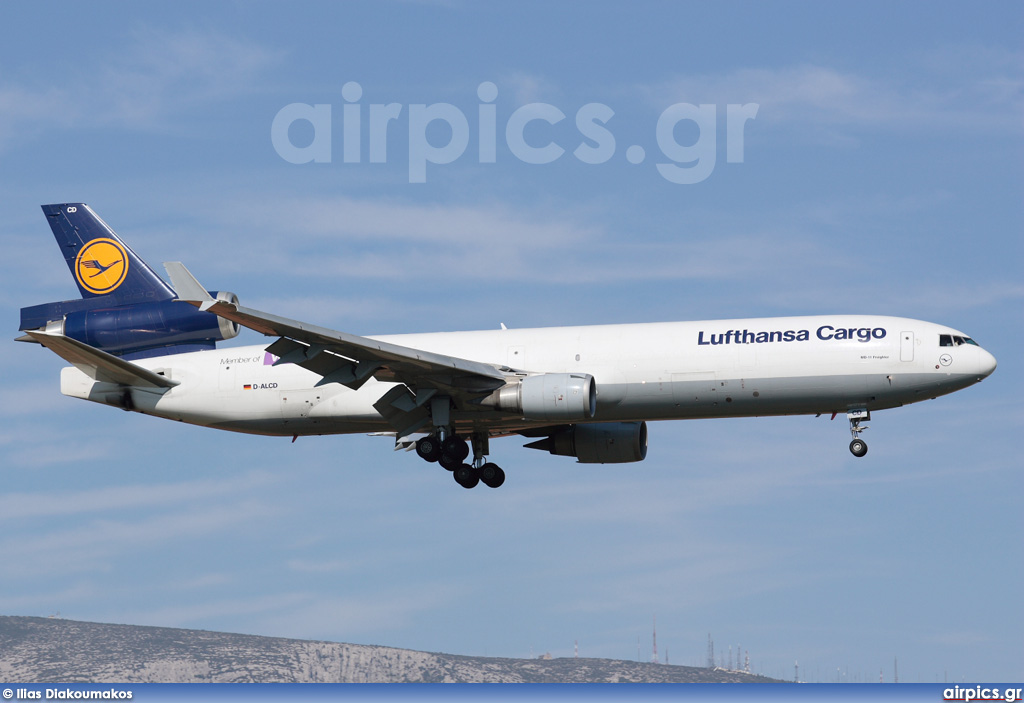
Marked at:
<point>953,340</point>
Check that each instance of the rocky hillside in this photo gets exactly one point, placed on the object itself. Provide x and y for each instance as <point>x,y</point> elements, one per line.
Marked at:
<point>48,650</point>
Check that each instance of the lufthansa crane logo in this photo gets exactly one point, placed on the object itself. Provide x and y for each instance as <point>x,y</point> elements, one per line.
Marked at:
<point>101,266</point>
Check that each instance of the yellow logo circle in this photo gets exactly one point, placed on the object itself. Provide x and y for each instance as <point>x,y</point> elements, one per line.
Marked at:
<point>101,266</point>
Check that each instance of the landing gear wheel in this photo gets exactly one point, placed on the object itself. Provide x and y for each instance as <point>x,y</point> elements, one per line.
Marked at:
<point>492,475</point>
<point>456,447</point>
<point>449,461</point>
<point>858,447</point>
<point>454,451</point>
<point>466,476</point>
<point>429,448</point>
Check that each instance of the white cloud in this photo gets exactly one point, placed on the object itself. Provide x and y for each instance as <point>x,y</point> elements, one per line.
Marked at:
<point>528,88</point>
<point>321,566</point>
<point>308,614</point>
<point>25,111</point>
<point>371,615</point>
<point>387,239</point>
<point>931,300</point>
<point>41,601</point>
<point>393,221</point>
<point>960,639</point>
<point>97,544</point>
<point>157,75</point>
<point>167,71</point>
<point>190,614</point>
<point>41,397</point>
<point>22,506</point>
<point>955,297</point>
<point>989,95</point>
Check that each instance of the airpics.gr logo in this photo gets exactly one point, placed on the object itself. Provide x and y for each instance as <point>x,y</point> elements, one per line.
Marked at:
<point>101,266</point>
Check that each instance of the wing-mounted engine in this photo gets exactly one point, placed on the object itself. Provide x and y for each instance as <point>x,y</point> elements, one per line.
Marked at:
<point>598,443</point>
<point>549,397</point>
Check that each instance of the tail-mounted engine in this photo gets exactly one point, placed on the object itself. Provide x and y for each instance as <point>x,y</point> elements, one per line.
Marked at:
<point>136,330</point>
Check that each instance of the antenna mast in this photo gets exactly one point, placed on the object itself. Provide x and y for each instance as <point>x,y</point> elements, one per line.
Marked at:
<point>654,650</point>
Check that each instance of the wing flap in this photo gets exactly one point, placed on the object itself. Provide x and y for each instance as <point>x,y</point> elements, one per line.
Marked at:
<point>346,358</point>
<point>403,410</point>
<point>332,367</point>
<point>100,365</point>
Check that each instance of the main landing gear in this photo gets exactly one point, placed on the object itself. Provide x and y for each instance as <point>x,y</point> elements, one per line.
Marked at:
<point>452,451</point>
<point>858,447</point>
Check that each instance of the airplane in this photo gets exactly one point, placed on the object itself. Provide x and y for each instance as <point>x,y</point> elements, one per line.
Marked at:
<point>137,343</point>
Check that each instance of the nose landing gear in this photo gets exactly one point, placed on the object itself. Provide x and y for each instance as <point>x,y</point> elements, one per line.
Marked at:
<point>858,447</point>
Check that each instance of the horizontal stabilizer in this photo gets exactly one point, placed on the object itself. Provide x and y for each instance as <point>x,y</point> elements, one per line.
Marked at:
<point>99,364</point>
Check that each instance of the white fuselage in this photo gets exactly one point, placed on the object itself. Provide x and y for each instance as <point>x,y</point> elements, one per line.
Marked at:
<point>654,371</point>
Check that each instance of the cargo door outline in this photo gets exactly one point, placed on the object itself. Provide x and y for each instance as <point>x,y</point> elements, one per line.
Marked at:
<point>906,346</point>
<point>694,387</point>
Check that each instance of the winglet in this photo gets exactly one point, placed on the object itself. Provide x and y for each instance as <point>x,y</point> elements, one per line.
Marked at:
<point>187,287</point>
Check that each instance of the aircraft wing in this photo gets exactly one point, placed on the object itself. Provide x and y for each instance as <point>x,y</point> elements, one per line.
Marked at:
<point>99,364</point>
<point>352,360</point>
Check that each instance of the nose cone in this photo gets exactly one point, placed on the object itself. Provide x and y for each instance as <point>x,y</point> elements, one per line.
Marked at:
<point>986,363</point>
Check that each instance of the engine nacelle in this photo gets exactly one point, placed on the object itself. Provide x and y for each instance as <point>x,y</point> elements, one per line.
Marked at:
<point>599,442</point>
<point>131,329</point>
<point>229,329</point>
<point>550,397</point>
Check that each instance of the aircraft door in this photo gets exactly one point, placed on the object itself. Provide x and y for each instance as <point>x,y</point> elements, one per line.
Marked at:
<point>906,346</point>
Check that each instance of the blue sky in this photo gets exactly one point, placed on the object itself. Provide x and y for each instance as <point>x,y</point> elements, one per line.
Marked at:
<point>881,174</point>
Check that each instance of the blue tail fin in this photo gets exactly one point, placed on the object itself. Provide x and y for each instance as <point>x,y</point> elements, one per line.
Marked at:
<point>100,263</point>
